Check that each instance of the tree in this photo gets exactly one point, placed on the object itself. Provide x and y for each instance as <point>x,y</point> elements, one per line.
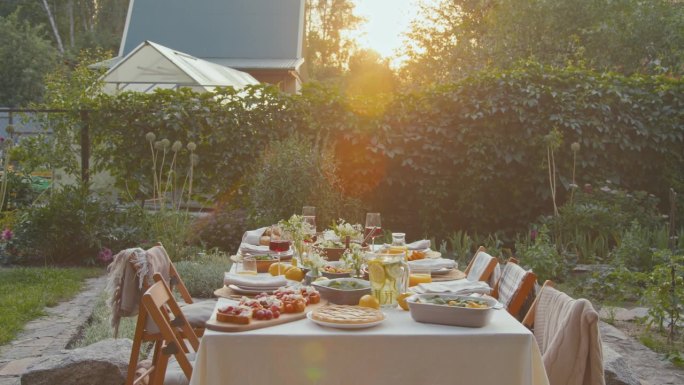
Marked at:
<point>457,37</point>
<point>369,74</point>
<point>327,48</point>
<point>25,57</point>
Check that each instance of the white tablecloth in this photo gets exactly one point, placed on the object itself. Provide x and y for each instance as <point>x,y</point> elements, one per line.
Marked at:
<point>398,351</point>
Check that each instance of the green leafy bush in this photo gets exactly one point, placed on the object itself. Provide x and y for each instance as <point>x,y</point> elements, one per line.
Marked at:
<point>665,292</point>
<point>72,226</point>
<point>541,255</point>
<point>223,229</point>
<point>291,174</point>
<point>204,274</point>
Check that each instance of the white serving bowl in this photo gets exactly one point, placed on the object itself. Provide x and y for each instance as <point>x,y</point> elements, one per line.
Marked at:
<point>450,315</point>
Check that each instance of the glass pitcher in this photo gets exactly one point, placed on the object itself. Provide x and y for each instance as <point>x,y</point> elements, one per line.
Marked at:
<point>388,275</point>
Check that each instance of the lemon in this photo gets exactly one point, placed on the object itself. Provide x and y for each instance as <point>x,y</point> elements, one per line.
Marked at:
<point>401,299</point>
<point>278,268</point>
<point>394,270</point>
<point>321,279</point>
<point>294,274</point>
<point>369,301</point>
<point>376,274</point>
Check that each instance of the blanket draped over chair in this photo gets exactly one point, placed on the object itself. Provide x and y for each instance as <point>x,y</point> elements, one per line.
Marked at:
<point>568,336</point>
<point>130,271</point>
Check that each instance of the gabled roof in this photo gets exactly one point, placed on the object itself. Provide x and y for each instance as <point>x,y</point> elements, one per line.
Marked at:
<point>152,65</point>
<point>268,31</point>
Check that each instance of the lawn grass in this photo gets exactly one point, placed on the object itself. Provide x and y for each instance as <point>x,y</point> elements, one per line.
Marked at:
<point>26,291</point>
<point>99,326</point>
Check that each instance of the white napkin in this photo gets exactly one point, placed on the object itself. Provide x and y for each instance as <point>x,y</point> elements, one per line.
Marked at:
<point>432,264</point>
<point>258,281</point>
<point>248,248</point>
<point>419,245</point>
<point>252,237</point>
<point>461,286</point>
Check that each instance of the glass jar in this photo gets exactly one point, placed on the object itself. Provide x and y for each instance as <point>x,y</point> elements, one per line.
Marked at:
<point>388,275</point>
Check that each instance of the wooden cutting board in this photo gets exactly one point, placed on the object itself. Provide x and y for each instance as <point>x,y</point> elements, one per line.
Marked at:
<point>453,275</point>
<point>253,324</point>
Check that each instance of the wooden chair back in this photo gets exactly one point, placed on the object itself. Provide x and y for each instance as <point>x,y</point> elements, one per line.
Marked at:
<point>528,321</point>
<point>174,330</point>
<point>482,266</point>
<point>142,328</point>
<point>514,286</point>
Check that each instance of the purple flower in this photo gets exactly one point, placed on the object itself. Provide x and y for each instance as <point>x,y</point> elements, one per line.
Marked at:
<point>7,234</point>
<point>533,235</point>
<point>105,255</point>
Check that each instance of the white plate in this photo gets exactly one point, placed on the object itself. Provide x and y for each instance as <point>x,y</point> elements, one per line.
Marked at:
<point>441,271</point>
<point>345,326</point>
<point>242,290</point>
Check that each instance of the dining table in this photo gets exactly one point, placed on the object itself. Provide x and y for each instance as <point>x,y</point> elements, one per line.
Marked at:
<point>397,351</point>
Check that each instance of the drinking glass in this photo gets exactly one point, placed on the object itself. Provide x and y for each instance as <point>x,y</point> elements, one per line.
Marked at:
<point>373,227</point>
<point>277,243</point>
<point>249,266</point>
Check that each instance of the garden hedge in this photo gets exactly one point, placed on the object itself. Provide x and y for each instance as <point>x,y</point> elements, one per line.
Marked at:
<point>469,155</point>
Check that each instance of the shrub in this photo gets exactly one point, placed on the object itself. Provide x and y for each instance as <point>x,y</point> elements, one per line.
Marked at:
<point>72,226</point>
<point>204,274</point>
<point>291,174</point>
<point>541,256</point>
<point>223,229</point>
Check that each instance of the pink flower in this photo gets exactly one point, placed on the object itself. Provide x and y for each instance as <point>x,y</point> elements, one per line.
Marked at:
<point>105,255</point>
<point>7,234</point>
<point>533,235</point>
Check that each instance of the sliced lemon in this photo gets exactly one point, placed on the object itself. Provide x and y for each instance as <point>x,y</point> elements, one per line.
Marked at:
<point>394,270</point>
<point>376,274</point>
<point>401,299</point>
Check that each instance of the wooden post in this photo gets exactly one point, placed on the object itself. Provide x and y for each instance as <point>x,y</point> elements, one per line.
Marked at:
<point>85,148</point>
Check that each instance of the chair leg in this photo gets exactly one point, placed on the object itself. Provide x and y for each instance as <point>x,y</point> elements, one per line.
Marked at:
<point>135,349</point>
<point>160,362</point>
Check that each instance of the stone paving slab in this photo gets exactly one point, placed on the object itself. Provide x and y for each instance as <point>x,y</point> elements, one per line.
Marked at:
<point>49,334</point>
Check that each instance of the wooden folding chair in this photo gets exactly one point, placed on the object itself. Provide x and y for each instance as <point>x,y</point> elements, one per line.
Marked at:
<point>514,286</point>
<point>174,331</point>
<point>528,321</point>
<point>145,330</point>
<point>481,266</point>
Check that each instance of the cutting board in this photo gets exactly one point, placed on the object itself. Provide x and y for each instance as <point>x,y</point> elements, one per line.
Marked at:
<point>253,324</point>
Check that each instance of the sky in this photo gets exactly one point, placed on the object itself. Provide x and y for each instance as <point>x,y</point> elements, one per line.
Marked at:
<point>386,21</point>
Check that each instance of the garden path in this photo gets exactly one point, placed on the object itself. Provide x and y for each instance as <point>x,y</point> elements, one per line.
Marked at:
<point>49,334</point>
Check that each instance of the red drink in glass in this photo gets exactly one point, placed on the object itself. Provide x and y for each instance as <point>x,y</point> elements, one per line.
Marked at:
<point>279,245</point>
<point>376,232</point>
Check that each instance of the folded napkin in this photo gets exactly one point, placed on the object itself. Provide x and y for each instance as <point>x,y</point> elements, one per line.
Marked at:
<point>257,281</point>
<point>252,237</point>
<point>462,286</point>
<point>419,245</point>
<point>248,248</point>
<point>432,264</point>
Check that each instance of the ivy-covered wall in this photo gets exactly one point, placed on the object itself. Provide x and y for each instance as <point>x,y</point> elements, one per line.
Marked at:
<point>469,155</point>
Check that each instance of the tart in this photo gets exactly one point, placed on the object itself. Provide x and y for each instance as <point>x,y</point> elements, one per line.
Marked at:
<point>347,315</point>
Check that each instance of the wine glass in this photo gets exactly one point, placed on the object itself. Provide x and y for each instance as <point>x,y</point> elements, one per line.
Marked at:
<point>277,243</point>
<point>309,216</point>
<point>373,227</point>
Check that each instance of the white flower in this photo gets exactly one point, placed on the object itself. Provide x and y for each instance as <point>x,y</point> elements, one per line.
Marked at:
<point>177,145</point>
<point>329,235</point>
<point>150,136</point>
<point>605,189</point>
<point>166,143</point>
<point>192,146</point>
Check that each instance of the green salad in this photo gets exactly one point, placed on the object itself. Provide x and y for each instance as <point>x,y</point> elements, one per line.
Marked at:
<point>345,285</point>
<point>471,303</point>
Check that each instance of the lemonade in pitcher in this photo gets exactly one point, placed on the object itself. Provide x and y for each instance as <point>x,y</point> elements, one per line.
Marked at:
<point>388,275</point>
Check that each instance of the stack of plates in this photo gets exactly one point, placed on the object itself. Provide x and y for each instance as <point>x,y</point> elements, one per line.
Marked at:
<point>254,284</point>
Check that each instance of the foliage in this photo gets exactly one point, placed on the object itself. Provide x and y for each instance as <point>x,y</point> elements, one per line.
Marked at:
<point>173,228</point>
<point>203,274</point>
<point>453,39</point>
<point>72,226</point>
<point>24,292</point>
<point>541,256</point>
<point>25,57</point>
<point>291,174</point>
<point>467,155</point>
<point>222,228</point>
<point>634,250</point>
<point>665,292</point>
<point>596,219</point>
<point>613,286</point>
<point>462,247</point>
<point>328,47</point>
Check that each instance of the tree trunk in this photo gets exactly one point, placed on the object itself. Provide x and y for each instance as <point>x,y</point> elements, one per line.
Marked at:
<point>70,10</point>
<point>53,24</point>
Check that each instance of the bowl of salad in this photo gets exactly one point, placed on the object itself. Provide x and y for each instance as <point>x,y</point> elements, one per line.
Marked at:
<point>451,309</point>
<point>343,291</point>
